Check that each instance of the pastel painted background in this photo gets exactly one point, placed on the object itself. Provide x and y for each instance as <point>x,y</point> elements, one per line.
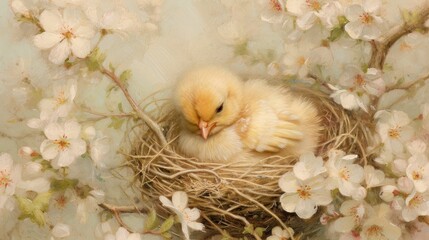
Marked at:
<point>63,116</point>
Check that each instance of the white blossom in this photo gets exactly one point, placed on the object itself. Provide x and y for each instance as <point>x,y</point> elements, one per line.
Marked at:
<point>277,233</point>
<point>394,129</point>
<point>187,217</point>
<point>379,228</point>
<point>346,98</point>
<point>416,204</point>
<point>306,11</point>
<point>303,197</point>
<point>343,174</point>
<point>308,166</point>
<point>365,22</point>
<point>64,144</point>
<point>388,192</point>
<point>418,172</point>
<point>123,234</point>
<point>65,33</point>
<point>356,80</point>
<point>10,178</point>
<point>62,101</point>
<point>274,11</point>
<point>373,177</point>
<point>353,213</point>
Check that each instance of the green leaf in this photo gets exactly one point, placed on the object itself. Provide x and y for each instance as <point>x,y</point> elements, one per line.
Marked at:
<point>116,122</point>
<point>166,235</point>
<point>336,33</point>
<point>42,201</point>
<point>34,210</point>
<point>151,220</point>
<point>38,217</point>
<point>120,107</point>
<point>25,205</point>
<point>125,76</point>
<point>63,184</point>
<point>167,224</point>
<point>259,231</point>
<point>95,60</point>
<point>112,68</point>
<point>249,229</point>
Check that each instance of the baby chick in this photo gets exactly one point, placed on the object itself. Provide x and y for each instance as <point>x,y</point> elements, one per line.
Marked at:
<point>224,118</point>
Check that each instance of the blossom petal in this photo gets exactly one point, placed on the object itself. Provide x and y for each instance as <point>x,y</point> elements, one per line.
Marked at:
<point>306,21</point>
<point>196,226</point>
<point>72,129</point>
<point>289,202</point>
<point>46,40</point>
<point>288,183</point>
<point>60,52</point>
<point>65,159</point>
<point>48,149</point>
<point>305,209</point>
<point>61,230</point>
<point>51,20</point>
<point>85,31</point>
<point>180,200</point>
<point>77,146</point>
<point>166,202</point>
<point>193,214</point>
<point>72,17</point>
<point>344,224</point>
<point>80,47</point>
<point>354,29</point>
<point>353,12</point>
<point>54,131</point>
<point>6,162</point>
<point>122,233</point>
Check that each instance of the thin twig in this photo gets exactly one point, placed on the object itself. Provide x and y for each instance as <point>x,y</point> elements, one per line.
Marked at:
<point>148,120</point>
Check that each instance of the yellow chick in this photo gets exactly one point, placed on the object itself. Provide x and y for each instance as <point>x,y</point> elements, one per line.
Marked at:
<point>225,118</point>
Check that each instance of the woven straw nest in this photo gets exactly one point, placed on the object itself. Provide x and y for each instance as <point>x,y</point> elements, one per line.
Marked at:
<point>232,195</point>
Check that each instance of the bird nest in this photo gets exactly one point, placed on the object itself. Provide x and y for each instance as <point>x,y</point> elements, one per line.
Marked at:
<point>233,195</point>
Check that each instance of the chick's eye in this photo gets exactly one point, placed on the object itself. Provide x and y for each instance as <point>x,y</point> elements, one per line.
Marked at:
<point>220,108</point>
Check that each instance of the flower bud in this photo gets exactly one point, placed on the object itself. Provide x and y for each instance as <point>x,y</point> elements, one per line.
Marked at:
<point>388,192</point>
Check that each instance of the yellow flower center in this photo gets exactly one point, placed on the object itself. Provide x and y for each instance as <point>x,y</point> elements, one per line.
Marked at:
<point>359,80</point>
<point>276,5</point>
<point>61,99</point>
<point>394,132</point>
<point>62,143</point>
<point>5,179</point>
<point>68,34</point>
<point>61,201</point>
<point>416,201</point>
<point>365,18</point>
<point>417,175</point>
<point>314,4</point>
<point>304,192</point>
<point>344,174</point>
<point>374,231</point>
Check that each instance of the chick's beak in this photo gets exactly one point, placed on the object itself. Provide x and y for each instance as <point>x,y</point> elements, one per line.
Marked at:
<point>205,128</point>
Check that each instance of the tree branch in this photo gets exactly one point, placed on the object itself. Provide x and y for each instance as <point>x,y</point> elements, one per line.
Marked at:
<point>380,48</point>
<point>149,121</point>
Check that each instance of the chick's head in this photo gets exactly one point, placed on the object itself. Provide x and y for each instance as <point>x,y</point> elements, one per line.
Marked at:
<point>209,99</point>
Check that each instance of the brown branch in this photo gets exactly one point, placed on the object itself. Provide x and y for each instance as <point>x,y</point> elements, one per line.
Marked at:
<point>123,209</point>
<point>149,121</point>
<point>380,48</point>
